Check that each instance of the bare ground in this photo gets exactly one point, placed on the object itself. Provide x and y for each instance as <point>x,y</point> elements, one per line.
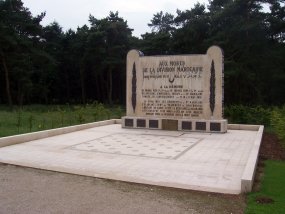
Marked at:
<point>27,190</point>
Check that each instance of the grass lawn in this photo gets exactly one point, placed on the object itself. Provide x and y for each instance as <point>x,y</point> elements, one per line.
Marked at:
<point>40,117</point>
<point>271,197</point>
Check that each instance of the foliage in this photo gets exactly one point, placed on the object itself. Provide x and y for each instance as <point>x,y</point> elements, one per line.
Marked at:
<point>20,41</point>
<point>278,122</point>
<point>49,66</point>
<point>100,111</point>
<point>253,45</point>
<point>248,115</point>
<point>272,186</point>
<point>40,117</point>
<point>162,22</point>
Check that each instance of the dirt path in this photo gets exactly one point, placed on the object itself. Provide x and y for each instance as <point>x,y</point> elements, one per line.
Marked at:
<point>26,190</point>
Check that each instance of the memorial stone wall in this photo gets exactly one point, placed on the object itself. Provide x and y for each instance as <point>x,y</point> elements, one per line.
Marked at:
<point>175,92</point>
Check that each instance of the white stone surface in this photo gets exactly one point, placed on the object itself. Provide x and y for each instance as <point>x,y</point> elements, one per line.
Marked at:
<point>210,162</point>
<point>11,140</point>
<point>175,86</point>
<point>249,171</point>
<point>143,145</point>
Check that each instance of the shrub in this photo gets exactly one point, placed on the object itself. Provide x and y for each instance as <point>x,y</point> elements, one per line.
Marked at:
<point>80,115</point>
<point>31,120</point>
<point>99,111</point>
<point>248,115</point>
<point>278,122</point>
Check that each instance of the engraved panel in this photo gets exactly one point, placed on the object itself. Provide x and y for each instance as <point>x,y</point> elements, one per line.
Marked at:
<point>186,125</point>
<point>215,127</point>
<point>129,122</point>
<point>201,126</point>
<point>171,125</point>
<point>141,123</point>
<point>153,123</point>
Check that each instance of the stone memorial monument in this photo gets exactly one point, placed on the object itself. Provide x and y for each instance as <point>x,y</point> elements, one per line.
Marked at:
<point>175,92</point>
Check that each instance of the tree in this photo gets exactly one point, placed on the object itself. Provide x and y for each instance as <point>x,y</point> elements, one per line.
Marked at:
<point>252,39</point>
<point>162,23</point>
<point>78,49</point>
<point>159,43</point>
<point>239,27</point>
<point>20,32</point>
<point>47,65</point>
<point>69,79</point>
<point>114,34</point>
<point>193,29</point>
<point>276,19</point>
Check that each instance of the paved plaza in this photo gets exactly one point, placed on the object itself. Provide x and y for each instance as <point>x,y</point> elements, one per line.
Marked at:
<point>189,160</point>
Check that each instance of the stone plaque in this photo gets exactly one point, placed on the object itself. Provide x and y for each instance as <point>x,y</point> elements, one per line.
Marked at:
<point>175,87</point>
<point>171,125</point>
<point>129,122</point>
<point>153,124</point>
<point>141,123</point>
<point>201,126</point>
<point>215,127</point>
<point>186,125</point>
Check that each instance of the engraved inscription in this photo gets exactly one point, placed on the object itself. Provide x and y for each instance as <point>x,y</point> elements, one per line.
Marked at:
<point>172,89</point>
<point>175,86</point>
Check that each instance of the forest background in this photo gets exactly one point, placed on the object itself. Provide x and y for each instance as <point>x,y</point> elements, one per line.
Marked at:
<point>45,65</point>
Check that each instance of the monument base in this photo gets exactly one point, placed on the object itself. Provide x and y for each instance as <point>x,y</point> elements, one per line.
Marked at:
<point>194,125</point>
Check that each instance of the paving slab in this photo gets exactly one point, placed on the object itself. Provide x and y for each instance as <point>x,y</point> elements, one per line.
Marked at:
<point>198,161</point>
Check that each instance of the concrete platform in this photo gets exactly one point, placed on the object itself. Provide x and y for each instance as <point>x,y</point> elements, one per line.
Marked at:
<point>223,163</point>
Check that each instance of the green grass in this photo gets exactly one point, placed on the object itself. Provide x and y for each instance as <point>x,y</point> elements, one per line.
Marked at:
<point>41,117</point>
<point>272,186</point>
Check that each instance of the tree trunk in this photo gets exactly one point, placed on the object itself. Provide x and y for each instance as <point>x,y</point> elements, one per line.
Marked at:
<point>103,88</point>
<point>21,99</point>
<point>110,86</point>
<point>83,92</point>
<point>7,80</point>
<point>98,97</point>
<point>67,85</point>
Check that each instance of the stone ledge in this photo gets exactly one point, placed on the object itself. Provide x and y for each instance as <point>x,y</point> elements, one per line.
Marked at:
<point>249,170</point>
<point>188,125</point>
<point>11,140</point>
<point>243,127</point>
